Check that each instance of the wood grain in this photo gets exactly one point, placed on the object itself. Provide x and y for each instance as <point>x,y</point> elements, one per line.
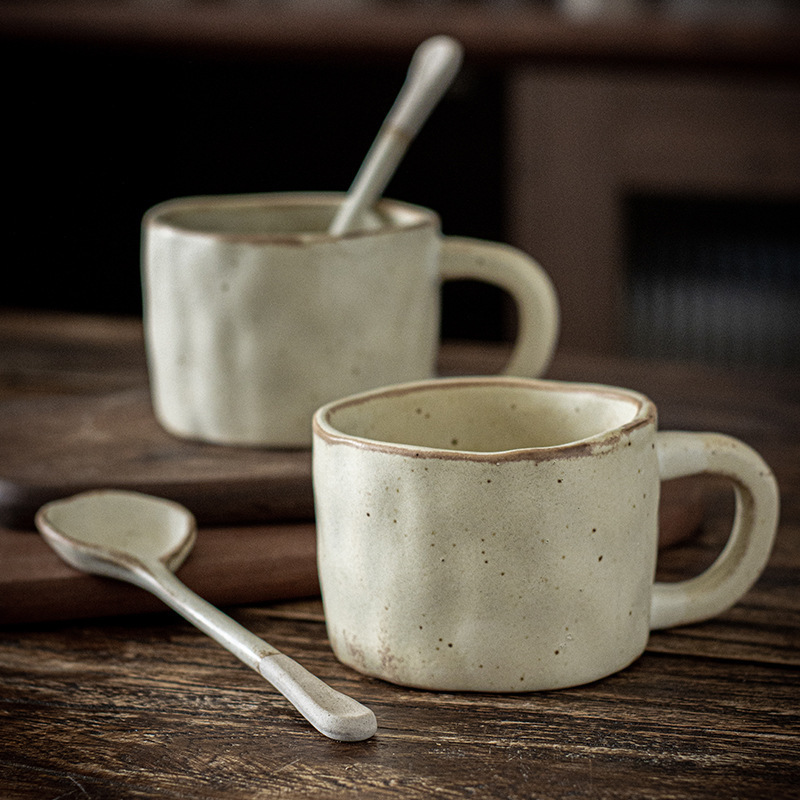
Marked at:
<point>144,710</point>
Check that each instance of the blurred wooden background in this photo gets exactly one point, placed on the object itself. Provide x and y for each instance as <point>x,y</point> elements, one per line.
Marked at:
<point>646,152</point>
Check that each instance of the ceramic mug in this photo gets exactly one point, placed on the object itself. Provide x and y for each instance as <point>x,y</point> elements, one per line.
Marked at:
<point>255,316</point>
<point>500,534</point>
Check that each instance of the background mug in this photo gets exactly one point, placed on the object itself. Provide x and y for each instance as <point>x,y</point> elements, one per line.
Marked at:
<point>500,534</point>
<point>255,316</point>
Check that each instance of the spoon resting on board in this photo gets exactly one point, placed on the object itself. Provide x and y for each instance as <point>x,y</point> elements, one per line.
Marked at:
<point>142,540</point>
<point>433,66</point>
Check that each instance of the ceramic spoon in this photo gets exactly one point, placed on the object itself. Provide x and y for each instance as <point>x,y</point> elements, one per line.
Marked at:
<point>142,540</point>
<point>433,67</point>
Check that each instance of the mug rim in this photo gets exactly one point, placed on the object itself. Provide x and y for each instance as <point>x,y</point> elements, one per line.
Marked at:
<point>645,415</point>
<point>154,217</point>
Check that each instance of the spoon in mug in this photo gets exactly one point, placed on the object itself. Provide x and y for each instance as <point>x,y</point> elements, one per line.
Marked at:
<point>433,66</point>
<point>142,540</point>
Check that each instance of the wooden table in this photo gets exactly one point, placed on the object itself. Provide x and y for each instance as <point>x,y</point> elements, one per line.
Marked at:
<point>146,706</point>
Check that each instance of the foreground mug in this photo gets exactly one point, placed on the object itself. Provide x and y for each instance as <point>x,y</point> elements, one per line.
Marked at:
<point>500,534</point>
<point>255,316</point>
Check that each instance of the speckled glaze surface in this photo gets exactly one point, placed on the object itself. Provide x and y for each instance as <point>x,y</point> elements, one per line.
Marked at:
<point>500,534</point>
<point>255,316</point>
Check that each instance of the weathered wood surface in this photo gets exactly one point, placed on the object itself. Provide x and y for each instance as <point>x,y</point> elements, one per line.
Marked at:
<point>148,707</point>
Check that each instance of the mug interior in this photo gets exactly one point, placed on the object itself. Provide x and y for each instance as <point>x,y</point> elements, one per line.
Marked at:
<point>484,416</point>
<point>279,215</point>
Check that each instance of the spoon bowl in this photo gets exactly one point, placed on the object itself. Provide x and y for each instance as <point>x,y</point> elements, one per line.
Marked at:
<point>117,534</point>
<point>142,539</point>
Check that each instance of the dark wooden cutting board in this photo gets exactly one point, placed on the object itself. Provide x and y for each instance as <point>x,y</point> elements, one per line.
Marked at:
<point>57,445</point>
<point>75,414</point>
<point>227,566</point>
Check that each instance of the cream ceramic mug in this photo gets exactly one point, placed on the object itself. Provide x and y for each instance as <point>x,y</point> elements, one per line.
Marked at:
<point>255,316</point>
<point>500,534</point>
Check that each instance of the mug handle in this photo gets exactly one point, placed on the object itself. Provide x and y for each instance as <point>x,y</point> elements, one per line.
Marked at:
<point>749,544</point>
<point>522,277</point>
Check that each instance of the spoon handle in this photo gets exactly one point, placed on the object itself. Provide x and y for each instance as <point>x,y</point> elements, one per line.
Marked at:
<point>433,67</point>
<point>332,713</point>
